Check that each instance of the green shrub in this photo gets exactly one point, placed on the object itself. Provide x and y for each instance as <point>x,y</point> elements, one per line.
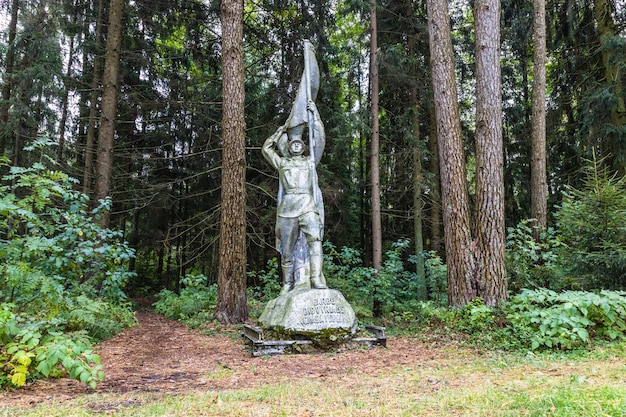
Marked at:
<point>268,282</point>
<point>436,279</point>
<point>533,263</point>
<point>50,243</point>
<point>567,320</point>
<point>193,302</point>
<point>61,278</point>
<point>391,286</point>
<point>539,319</point>
<point>99,318</point>
<point>34,349</point>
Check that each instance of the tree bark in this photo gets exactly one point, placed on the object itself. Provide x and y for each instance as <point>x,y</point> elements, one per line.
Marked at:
<point>435,187</point>
<point>110,79</point>
<point>377,255</point>
<point>455,206</point>
<point>93,104</point>
<point>66,92</point>
<point>418,180</point>
<point>490,273</point>
<point>232,303</point>
<point>538,176</point>
<point>9,63</point>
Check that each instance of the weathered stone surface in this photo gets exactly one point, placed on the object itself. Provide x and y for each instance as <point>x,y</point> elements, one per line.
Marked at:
<point>311,313</point>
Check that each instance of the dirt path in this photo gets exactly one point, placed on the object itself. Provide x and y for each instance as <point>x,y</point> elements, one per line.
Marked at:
<point>164,356</point>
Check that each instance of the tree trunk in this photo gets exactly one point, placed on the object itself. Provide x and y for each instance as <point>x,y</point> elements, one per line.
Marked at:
<point>490,273</point>
<point>377,256</point>
<point>110,79</point>
<point>9,63</point>
<point>66,92</point>
<point>93,104</point>
<point>455,207</point>
<point>435,187</point>
<point>538,176</point>
<point>232,303</point>
<point>418,181</point>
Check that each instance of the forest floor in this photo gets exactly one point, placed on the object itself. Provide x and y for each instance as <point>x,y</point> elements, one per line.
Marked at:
<point>161,356</point>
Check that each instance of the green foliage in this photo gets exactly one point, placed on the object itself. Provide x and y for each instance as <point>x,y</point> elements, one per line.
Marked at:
<point>567,320</point>
<point>35,349</point>
<point>193,306</point>
<point>436,279</point>
<point>50,243</point>
<point>539,319</point>
<point>101,319</point>
<point>267,282</point>
<point>475,324</point>
<point>592,222</point>
<point>533,263</point>
<point>266,285</point>
<point>61,279</point>
<point>394,285</point>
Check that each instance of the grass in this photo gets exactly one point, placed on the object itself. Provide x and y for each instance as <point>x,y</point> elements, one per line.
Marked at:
<point>591,384</point>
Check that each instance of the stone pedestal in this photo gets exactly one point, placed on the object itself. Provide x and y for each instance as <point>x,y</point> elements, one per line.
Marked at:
<point>321,315</point>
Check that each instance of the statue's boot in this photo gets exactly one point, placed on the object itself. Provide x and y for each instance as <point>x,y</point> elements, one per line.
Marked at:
<point>287,268</point>
<point>316,259</point>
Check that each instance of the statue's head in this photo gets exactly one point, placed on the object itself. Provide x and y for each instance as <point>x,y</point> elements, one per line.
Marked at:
<point>296,147</point>
<point>296,144</point>
<point>291,133</point>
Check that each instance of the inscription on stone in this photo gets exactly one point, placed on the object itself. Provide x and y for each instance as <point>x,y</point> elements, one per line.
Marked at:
<point>309,310</point>
<point>324,311</point>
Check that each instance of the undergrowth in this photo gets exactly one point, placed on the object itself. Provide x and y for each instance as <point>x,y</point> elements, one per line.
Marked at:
<point>194,305</point>
<point>62,278</point>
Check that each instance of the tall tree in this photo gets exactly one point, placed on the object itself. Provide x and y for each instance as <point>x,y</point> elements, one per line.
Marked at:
<point>454,196</point>
<point>418,185</point>
<point>490,273</point>
<point>377,248</point>
<point>476,265</point>
<point>31,84</point>
<point>538,174</point>
<point>232,304</point>
<point>110,79</point>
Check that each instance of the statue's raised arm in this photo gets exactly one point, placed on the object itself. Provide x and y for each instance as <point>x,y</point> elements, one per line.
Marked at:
<point>319,136</point>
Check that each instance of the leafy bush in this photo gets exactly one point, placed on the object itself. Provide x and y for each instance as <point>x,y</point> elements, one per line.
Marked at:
<point>345,272</point>
<point>436,279</point>
<point>193,303</point>
<point>61,278</point>
<point>533,263</point>
<point>99,318</point>
<point>567,320</point>
<point>534,319</point>
<point>51,243</point>
<point>394,286</point>
<point>267,282</point>
<point>34,349</point>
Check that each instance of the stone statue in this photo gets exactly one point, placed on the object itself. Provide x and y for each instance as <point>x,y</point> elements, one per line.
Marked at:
<point>306,307</point>
<point>300,213</point>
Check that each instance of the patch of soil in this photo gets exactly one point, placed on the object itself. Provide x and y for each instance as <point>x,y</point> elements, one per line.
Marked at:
<point>164,356</point>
